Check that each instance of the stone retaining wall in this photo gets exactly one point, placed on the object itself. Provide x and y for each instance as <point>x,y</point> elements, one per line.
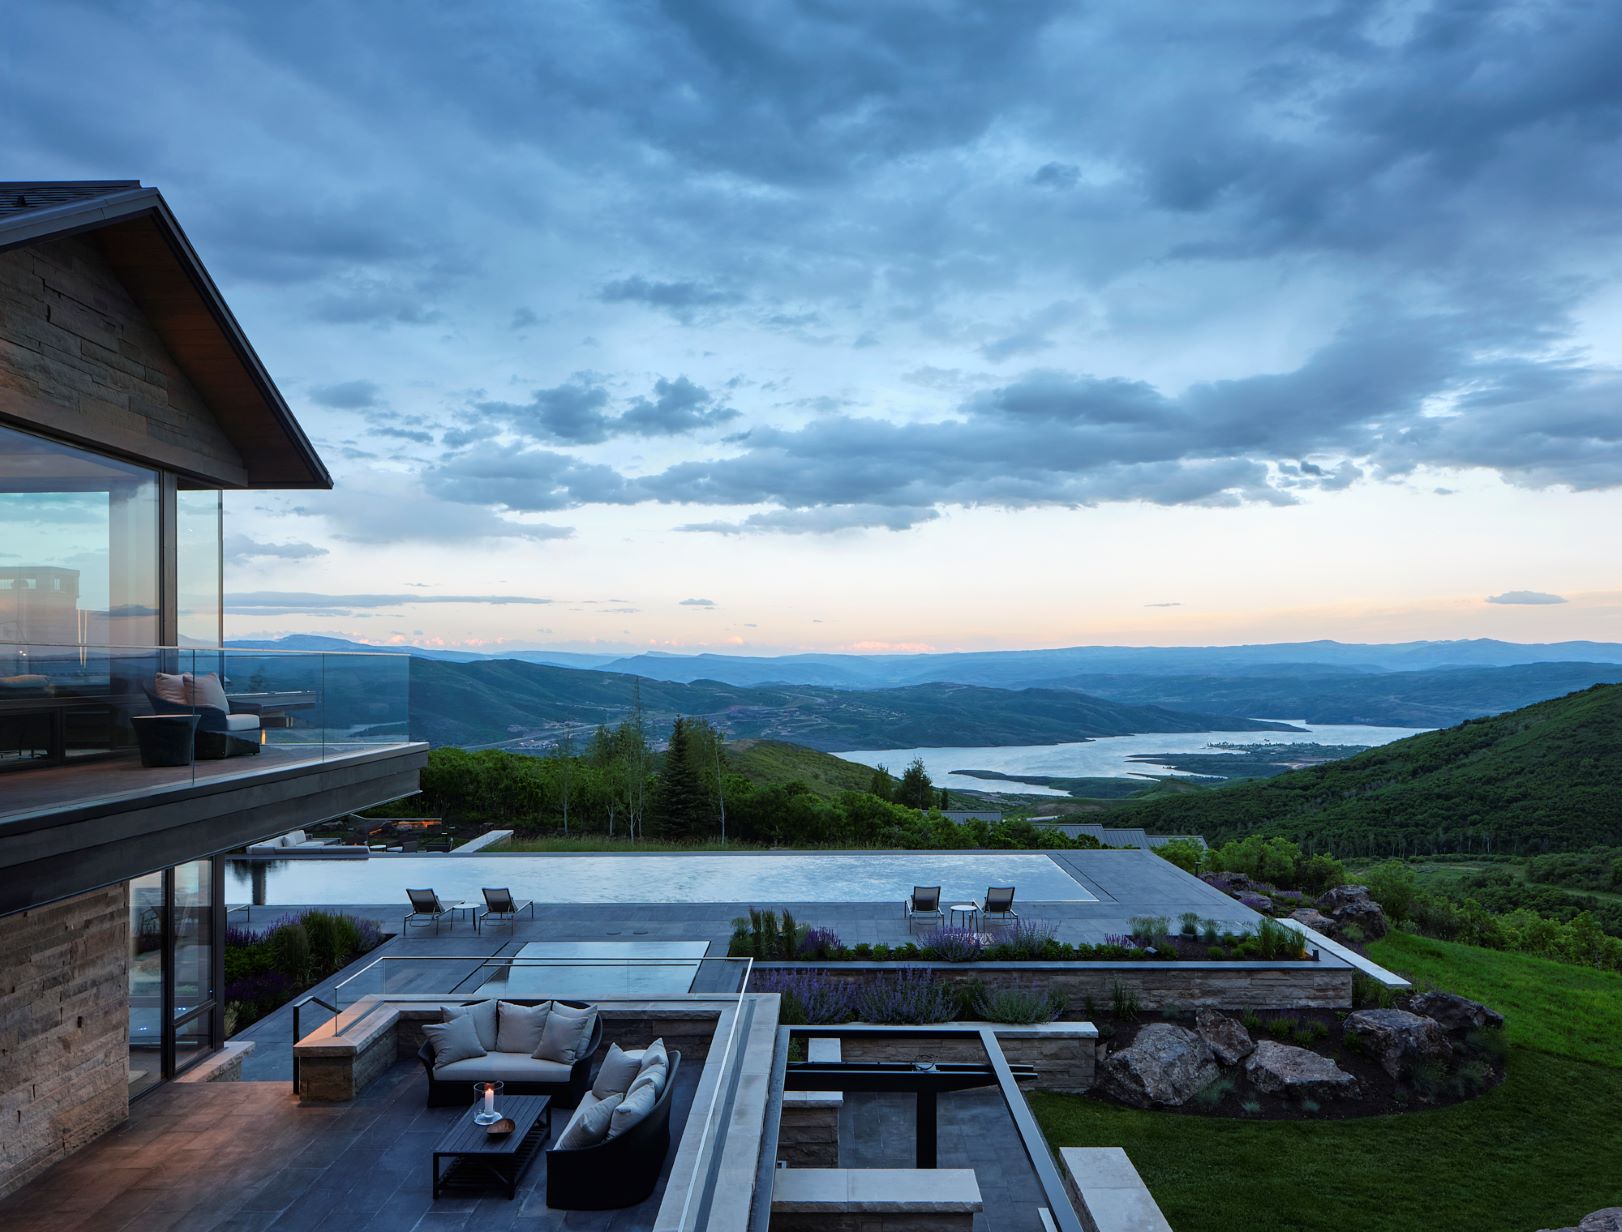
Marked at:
<point>1090,987</point>
<point>64,1023</point>
<point>1063,1054</point>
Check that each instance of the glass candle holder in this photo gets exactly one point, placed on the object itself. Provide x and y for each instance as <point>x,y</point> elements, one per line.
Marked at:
<point>484,1100</point>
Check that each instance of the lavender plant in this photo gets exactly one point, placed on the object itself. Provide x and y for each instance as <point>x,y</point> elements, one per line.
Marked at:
<point>909,996</point>
<point>953,945</point>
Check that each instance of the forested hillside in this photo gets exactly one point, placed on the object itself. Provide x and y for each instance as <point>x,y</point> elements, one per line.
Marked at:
<point>1544,778</point>
<point>503,700</point>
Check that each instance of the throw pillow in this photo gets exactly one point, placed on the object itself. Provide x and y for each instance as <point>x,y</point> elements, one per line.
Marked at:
<point>563,1038</point>
<point>618,1071</point>
<point>654,1077</point>
<point>654,1054</point>
<point>454,1040</point>
<point>590,1123</point>
<point>171,687</point>
<point>518,1027</point>
<point>636,1105</point>
<point>483,1014</point>
<point>206,690</point>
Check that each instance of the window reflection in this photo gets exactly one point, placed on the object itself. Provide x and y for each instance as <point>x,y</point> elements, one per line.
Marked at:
<point>146,981</point>
<point>193,968</point>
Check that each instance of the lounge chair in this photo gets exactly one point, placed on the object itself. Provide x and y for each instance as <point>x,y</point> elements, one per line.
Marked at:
<point>500,904</point>
<point>925,900</point>
<point>224,728</point>
<point>999,902</point>
<point>425,905</point>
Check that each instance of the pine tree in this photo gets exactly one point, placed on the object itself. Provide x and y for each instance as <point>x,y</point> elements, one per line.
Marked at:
<point>680,801</point>
<point>915,790</point>
<point>882,785</point>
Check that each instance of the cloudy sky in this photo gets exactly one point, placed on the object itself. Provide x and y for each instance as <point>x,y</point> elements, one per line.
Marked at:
<point>842,325</point>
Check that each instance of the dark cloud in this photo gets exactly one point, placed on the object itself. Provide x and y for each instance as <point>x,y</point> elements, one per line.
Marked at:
<point>578,412</point>
<point>683,300</point>
<point>1534,598</point>
<point>697,603</point>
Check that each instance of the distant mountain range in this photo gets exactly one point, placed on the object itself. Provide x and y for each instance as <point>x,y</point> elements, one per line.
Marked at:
<point>503,701</point>
<point>1410,684</point>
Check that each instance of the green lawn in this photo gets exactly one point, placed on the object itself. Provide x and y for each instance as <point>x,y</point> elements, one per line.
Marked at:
<point>1534,1153</point>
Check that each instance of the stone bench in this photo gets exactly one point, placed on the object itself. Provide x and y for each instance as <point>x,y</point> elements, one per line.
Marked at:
<point>808,1128</point>
<point>1109,1194</point>
<point>874,1199</point>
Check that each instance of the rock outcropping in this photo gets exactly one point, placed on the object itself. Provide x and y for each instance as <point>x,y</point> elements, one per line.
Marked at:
<point>1284,1069</point>
<point>1226,1037</point>
<point>1164,1067</point>
<point>1398,1038</point>
<point>1457,1015</point>
<point>1352,905</point>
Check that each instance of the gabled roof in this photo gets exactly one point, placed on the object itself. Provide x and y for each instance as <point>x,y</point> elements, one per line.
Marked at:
<point>145,246</point>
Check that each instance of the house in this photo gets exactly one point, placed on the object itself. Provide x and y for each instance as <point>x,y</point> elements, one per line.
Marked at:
<point>129,400</point>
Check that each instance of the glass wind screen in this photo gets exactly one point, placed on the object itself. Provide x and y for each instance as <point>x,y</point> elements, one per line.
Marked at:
<point>78,546</point>
<point>197,526</point>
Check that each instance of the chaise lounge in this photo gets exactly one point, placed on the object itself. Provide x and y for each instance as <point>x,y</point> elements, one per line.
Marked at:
<point>924,901</point>
<point>509,1042</point>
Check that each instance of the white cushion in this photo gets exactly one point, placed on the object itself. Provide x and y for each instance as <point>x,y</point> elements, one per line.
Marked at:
<point>655,1054</point>
<point>618,1071</point>
<point>655,1076</point>
<point>518,1027</point>
<point>241,722</point>
<point>455,1039</point>
<point>294,837</point>
<point>483,1014</point>
<point>590,1122</point>
<point>503,1067</point>
<point>206,690</point>
<point>636,1105</point>
<point>563,1038</point>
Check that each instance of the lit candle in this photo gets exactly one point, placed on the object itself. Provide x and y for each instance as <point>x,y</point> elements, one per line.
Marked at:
<point>489,1098</point>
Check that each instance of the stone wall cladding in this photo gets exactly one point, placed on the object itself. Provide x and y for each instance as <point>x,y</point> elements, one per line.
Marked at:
<point>1157,986</point>
<point>1064,1055</point>
<point>64,1023</point>
<point>78,355</point>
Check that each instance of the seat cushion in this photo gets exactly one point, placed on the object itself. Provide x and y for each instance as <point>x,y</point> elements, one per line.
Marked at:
<point>242,722</point>
<point>565,1034</point>
<point>519,1027</point>
<point>503,1067</point>
<point>589,1124</point>
<point>618,1070</point>
<point>454,1040</point>
<point>634,1108</point>
<point>483,1014</point>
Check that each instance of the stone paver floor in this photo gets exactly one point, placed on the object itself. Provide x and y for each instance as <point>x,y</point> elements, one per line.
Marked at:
<point>246,1157</point>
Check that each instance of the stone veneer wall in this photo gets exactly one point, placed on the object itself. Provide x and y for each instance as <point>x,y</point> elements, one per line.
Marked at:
<point>1156,985</point>
<point>64,1023</point>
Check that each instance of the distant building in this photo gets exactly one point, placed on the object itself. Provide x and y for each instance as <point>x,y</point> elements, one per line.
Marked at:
<point>1117,836</point>
<point>962,815</point>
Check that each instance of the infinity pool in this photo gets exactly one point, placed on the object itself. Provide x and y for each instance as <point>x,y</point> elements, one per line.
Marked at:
<point>790,877</point>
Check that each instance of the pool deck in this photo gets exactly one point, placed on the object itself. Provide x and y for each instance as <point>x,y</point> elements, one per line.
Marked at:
<point>1125,883</point>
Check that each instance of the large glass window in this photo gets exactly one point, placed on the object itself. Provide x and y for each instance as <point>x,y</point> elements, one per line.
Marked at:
<point>197,524</point>
<point>81,546</point>
<point>148,931</point>
<point>193,937</point>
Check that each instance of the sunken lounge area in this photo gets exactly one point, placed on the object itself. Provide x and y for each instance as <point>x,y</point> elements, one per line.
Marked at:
<point>691,1111</point>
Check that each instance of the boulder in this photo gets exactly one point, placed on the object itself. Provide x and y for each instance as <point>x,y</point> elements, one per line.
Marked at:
<point>1226,1037</point>
<point>1164,1066</point>
<point>1399,1038</point>
<point>1608,1220</point>
<point>1256,902</point>
<point>1284,1069</point>
<point>1353,905</point>
<point>1314,919</point>
<point>1456,1015</point>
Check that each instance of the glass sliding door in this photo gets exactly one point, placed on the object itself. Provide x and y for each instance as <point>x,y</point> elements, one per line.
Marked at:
<point>175,963</point>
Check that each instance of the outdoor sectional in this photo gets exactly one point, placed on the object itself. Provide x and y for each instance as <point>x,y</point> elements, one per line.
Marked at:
<point>522,1074</point>
<point>620,1171</point>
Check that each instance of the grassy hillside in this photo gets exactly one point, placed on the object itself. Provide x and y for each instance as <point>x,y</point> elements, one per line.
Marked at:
<point>503,700</point>
<point>774,761</point>
<point>1543,778</point>
<point>1526,1155</point>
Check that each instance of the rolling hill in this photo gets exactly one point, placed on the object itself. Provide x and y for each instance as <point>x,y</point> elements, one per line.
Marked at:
<point>1547,777</point>
<point>503,701</point>
<point>773,761</point>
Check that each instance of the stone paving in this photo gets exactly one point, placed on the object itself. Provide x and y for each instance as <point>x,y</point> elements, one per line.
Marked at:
<point>247,1157</point>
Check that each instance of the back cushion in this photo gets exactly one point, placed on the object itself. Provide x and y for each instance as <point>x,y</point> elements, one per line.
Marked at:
<point>206,690</point>
<point>590,1123</point>
<point>519,1027</point>
<point>483,1014</point>
<point>563,1039</point>
<point>453,1040</point>
<point>618,1071</point>
<point>171,686</point>
<point>633,1109</point>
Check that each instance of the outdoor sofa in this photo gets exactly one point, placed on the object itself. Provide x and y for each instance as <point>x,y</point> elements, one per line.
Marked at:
<point>565,1080</point>
<point>224,728</point>
<point>297,843</point>
<point>623,1168</point>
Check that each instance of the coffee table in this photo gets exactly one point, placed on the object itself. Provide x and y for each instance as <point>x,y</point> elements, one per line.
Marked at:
<point>478,1160</point>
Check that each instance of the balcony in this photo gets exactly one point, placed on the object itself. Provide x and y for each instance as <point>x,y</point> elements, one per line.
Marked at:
<point>116,759</point>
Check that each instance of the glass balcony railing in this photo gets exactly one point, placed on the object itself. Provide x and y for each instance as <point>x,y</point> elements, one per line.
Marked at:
<point>136,716</point>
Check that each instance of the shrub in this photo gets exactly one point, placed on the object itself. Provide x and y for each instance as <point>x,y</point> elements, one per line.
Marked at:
<point>908,996</point>
<point>1032,939</point>
<point>809,995</point>
<point>952,945</point>
<point>1185,853</point>
<point>1020,1005</point>
<point>1190,921</point>
<point>290,950</point>
<point>1274,941</point>
<point>1210,931</point>
<point>1123,1000</point>
<point>1214,1092</point>
<point>1369,993</point>
<point>819,943</point>
<point>1151,930</point>
<point>1394,886</point>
